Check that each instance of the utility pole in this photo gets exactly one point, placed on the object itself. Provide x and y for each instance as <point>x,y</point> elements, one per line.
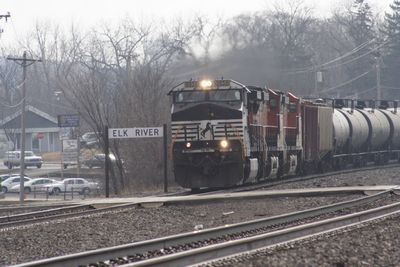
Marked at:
<point>318,81</point>
<point>6,16</point>
<point>378,77</point>
<point>24,62</point>
<point>316,84</point>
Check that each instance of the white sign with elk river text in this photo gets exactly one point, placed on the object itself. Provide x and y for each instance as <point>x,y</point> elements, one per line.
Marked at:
<point>147,132</point>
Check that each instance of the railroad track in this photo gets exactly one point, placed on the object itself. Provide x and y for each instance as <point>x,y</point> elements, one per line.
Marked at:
<point>198,246</point>
<point>217,251</point>
<point>56,213</point>
<point>13,209</point>
<point>286,180</point>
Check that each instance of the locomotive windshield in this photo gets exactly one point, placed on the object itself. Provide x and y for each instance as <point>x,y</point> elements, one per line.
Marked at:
<point>207,95</point>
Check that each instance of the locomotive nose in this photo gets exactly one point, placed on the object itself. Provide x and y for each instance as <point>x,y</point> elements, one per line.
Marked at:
<point>209,168</point>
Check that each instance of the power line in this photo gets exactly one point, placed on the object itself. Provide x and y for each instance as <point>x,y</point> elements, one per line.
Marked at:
<point>390,87</point>
<point>13,106</point>
<point>348,61</point>
<point>358,57</point>
<point>361,92</point>
<point>351,52</point>
<point>347,54</point>
<point>347,82</point>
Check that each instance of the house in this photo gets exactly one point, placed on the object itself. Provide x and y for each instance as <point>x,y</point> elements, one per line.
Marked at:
<point>42,133</point>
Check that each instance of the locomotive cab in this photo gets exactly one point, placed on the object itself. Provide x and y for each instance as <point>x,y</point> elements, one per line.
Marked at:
<point>209,140</point>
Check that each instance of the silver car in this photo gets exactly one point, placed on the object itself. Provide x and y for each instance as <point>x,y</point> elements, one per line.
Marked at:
<point>72,184</point>
<point>8,183</point>
<point>36,184</point>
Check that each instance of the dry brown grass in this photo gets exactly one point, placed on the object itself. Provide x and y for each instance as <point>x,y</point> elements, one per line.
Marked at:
<point>51,156</point>
<point>56,156</point>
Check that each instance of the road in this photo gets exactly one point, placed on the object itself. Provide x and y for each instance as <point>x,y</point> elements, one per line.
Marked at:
<point>35,172</point>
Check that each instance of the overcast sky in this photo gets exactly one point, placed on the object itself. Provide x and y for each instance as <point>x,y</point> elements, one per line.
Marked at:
<point>86,13</point>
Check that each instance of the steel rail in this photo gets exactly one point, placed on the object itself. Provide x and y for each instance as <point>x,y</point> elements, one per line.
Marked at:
<point>85,258</point>
<point>327,174</point>
<point>26,207</point>
<point>218,251</point>
<point>41,213</point>
<point>291,179</point>
<point>277,181</point>
<point>40,216</point>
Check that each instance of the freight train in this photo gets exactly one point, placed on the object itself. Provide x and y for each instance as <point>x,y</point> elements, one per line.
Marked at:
<point>224,133</point>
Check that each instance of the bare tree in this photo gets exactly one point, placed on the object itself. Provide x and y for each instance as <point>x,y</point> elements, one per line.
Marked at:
<point>116,77</point>
<point>10,94</point>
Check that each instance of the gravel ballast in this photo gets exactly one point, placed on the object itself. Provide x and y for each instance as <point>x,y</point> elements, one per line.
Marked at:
<point>372,244</point>
<point>92,232</point>
<point>386,176</point>
<point>115,228</point>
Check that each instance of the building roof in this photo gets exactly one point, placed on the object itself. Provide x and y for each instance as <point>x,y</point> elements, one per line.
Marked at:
<point>34,118</point>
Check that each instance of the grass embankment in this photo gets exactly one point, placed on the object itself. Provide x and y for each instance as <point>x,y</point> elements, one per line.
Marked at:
<point>56,156</point>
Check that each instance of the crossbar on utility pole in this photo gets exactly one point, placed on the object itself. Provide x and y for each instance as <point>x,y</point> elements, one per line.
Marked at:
<point>24,62</point>
<point>6,16</point>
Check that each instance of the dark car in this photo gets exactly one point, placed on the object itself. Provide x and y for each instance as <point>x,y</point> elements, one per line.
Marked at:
<point>98,160</point>
<point>95,161</point>
<point>89,140</point>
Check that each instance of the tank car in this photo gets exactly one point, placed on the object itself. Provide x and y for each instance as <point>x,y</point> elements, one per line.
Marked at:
<point>394,121</point>
<point>364,132</point>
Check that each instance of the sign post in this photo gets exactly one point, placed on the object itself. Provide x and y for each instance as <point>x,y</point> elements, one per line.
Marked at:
<point>69,154</point>
<point>69,147</point>
<point>107,162</point>
<point>165,159</point>
<point>142,132</point>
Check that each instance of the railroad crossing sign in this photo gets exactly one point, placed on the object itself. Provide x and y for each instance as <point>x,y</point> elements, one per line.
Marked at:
<point>148,132</point>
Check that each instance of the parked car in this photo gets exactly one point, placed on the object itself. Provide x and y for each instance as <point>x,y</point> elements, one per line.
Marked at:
<point>35,184</point>
<point>8,183</point>
<point>5,176</point>
<point>13,158</point>
<point>98,160</point>
<point>67,185</point>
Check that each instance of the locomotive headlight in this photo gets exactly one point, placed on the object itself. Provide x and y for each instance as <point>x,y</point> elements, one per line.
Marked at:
<point>205,84</point>
<point>188,145</point>
<point>224,143</point>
